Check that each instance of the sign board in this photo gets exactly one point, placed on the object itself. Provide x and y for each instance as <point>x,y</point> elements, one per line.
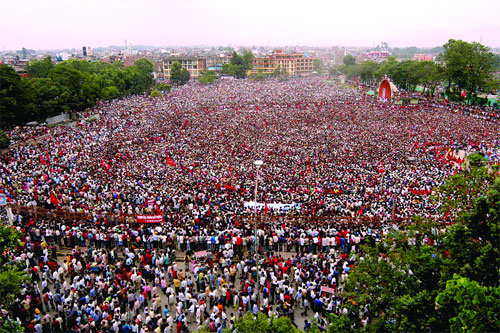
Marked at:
<point>3,200</point>
<point>149,218</point>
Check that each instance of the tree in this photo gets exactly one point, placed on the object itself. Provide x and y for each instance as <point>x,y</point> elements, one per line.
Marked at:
<point>11,278</point>
<point>467,65</point>
<point>318,65</point>
<point>474,241</point>
<point>46,94</point>
<point>40,68</point>
<point>179,75</point>
<point>145,74</point>
<point>282,325</point>
<point>4,140</point>
<point>368,70</point>
<point>16,98</point>
<point>239,64</point>
<point>249,323</point>
<point>155,93</point>
<point>248,59</point>
<point>163,87</point>
<point>470,306</point>
<point>207,77</point>
<point>9,239</point>
<point>349,60</point>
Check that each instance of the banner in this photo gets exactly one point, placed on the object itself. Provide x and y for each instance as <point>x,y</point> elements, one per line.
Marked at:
<point>149,218</point>
<point>200,254</point>
<point>274,206</point>
<point>327,290</point>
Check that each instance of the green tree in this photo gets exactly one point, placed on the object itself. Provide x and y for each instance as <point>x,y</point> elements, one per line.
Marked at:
<point>318,65</point>
<point>207,77</point>
<point>468,66</point>
<point>145,74</point>
<point>163,87</point>
<point>11,278</point>
<point>282,325</point>
<point>40,68</point>
<point>248,59</point>
<point>155,93</point>
<point>469,306</point>
<point>349,60</point>
<point>70,83</point>
<point>179,75</point>
<point>4,140</point>
<point>16,98</point>
<point>251,324</point>
<point>8,325</point>
<point>239,64</point>
<point>46,94</point>
<point>474,241</point>
<point>368,70</point>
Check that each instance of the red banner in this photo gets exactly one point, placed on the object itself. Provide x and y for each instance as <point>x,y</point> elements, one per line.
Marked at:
<point>149,218</point>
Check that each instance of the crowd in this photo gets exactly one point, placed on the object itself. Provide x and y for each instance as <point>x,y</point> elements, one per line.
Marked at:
<point>189,157</point>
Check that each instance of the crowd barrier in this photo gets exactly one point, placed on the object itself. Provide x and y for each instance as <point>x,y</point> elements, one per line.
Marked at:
<point>115,219</point>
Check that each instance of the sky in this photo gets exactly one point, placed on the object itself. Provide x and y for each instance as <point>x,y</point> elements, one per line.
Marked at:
<point>57,24</point>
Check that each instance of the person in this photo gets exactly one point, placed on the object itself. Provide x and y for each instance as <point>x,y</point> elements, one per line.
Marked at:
<point>307,325</point>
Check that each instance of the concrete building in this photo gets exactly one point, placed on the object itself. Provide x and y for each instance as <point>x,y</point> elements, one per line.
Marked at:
<point>422,57</point>
<point>291,63</point>
<point>193,64</point>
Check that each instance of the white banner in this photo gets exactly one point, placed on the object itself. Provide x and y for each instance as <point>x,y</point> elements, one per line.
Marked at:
<point>274,206</point>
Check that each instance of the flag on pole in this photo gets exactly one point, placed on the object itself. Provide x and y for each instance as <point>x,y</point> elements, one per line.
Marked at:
<point>170,161</point>
<point>105,165</point>
<point>53,199</point>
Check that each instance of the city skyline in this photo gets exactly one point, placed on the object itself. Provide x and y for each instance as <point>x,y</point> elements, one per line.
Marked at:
<point>56,24</point>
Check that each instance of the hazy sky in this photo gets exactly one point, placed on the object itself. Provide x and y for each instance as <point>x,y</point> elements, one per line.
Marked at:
<point>50,24</point>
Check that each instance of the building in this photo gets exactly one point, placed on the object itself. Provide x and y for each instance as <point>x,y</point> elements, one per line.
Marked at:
<point>215,63</point>
<point>291,63</point>
<point>422,57</point>
<point>194,65</point>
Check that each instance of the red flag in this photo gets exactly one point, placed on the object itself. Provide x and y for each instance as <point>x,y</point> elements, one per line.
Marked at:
<point>463,94</point>
<point>309,170</point>
<point>265,120</point>
<point>265,207</point>
<point>170,162</point>
<point>230,172</point>
<point>446,214</point>
<point>53,199</point>
<point>105,165</point>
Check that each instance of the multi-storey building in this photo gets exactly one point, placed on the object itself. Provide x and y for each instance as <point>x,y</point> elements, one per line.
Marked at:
<point>290,63</point>
<point>193,64</point>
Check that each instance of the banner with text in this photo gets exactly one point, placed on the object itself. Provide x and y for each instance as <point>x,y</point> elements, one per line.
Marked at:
<point>149,218</point>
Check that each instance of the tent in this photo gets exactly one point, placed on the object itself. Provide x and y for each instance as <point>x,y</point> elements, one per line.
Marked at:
<point>386,89</point>
<point>371,92</point>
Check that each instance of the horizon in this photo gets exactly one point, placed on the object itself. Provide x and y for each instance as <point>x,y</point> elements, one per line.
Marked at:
<point>56,24</point>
